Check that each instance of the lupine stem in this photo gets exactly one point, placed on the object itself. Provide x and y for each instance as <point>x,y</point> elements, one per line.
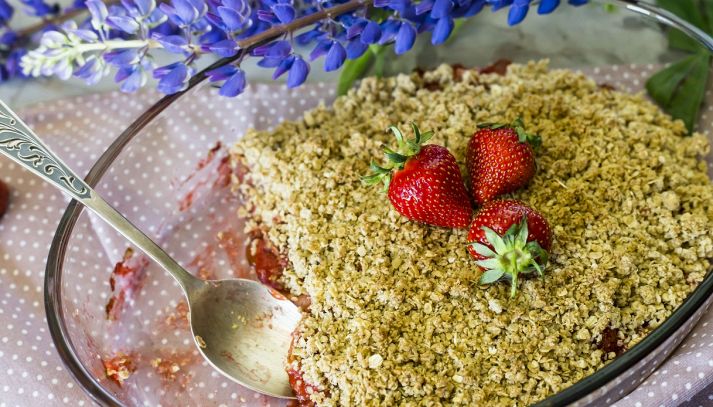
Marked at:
<point>278,30</point>
<point>116,44</point>
<point>103,46</point>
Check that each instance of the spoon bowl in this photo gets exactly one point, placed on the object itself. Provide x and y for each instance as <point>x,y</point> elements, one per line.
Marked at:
<point>244,331</point>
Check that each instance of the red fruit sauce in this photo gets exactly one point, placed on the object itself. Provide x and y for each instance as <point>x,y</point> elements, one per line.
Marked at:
<point>4,198</point>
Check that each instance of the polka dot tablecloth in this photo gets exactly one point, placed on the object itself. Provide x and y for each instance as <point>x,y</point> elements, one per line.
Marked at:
<point>80,129</point>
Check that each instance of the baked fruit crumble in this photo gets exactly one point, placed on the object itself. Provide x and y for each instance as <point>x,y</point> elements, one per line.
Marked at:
<point>398,314</point>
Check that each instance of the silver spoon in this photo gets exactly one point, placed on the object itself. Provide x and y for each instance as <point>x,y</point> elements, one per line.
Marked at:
<point>240,327</point>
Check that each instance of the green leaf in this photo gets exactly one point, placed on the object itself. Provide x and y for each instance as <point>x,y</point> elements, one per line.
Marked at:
<point>426,136</point>
<point>395,157</point>
<point>489,264</point>
<point>686,101</point>
<point>372,179</point>
<point>491,276</point>
<point>687,9</point>
<point>523,232</point>
<point>664,83</point>
<point>380,59</point>
<point>681,41</point>
<point>708,10</point>
<point>495,240</point>
<point>538,268</point>
<point>353,70</point>
<point>398,135</point>
<point>416,132</point>
<point>482,250</point>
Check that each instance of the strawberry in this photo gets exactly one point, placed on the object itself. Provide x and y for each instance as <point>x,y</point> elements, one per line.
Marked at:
<point>4,198</point>
<point>500,160</point>
<point>508,238</point>
<point>424,183</point>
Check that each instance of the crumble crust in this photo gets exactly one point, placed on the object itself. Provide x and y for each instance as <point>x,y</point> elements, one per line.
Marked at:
<point>397,316</point>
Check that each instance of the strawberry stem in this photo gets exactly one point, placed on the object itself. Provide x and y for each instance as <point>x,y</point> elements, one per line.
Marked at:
<point>511,255</point>
<point>406,148</point>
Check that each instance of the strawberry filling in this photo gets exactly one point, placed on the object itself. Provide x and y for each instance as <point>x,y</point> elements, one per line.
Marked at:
<point>302,388</point>
<point>267,262</point>
<point>4,198</point>
<point>269,265</point>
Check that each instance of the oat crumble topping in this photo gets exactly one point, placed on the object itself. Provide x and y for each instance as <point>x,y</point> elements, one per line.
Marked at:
<point>397,316</point>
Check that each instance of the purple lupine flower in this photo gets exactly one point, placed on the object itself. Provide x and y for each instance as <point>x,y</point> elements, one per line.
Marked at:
<point>389,29</point>
<point>547,6</point>
<point>469,10</point>
<point>424,6</point>
<point>216,27</point>
<point>184,13</point>
<point>518,11</point>
<point>320,49</point>
<point>233,77</point>
<point>285,13</point>
<point>371,33</point>
<point>283,66</point>
<point>356,28</point>
<point>122,57</point>
<point>442,30</point>
<point>309,36</point>
<point>232,19</point>
<point>335,57</point>
<point>172,78</point>
<point>177,44</point>
<point>222,73</point>
<point>496,5</point>
<point>234,85</point>
<point>405,38</point>
<point>39,8</point>
<point>92,70</point>
<point>139,8</point>
<point>441,8</point>
<point>298,73</point>
<point>6,11</point>
<point>8,38</point>
<point>132,78</point>
<point>12,63</point>
<point>277,49</point>
<point>98,10</point>
<point>224,48</point>
<point>126,24</point>
<point>356,48</point>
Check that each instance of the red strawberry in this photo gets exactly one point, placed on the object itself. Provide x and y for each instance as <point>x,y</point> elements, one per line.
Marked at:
<point>500,160</point>
<point>424,182</point>
<point>508,238</point>
<point>4,198</point>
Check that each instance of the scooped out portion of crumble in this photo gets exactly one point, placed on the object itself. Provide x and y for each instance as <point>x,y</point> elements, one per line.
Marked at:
<point>396,313</point>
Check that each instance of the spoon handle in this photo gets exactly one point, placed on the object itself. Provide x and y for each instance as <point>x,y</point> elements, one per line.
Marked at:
<point>22,145</point>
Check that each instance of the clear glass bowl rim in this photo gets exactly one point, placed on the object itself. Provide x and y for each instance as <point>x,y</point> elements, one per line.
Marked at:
<point>58,249</point>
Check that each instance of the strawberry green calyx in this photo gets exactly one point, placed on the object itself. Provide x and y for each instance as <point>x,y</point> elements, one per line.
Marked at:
<point>510,256</point>
<point>519,126</point>
<point>405,149</point>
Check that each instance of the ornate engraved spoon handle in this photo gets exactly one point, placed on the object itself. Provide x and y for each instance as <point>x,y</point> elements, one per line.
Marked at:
<point>20,143</point>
